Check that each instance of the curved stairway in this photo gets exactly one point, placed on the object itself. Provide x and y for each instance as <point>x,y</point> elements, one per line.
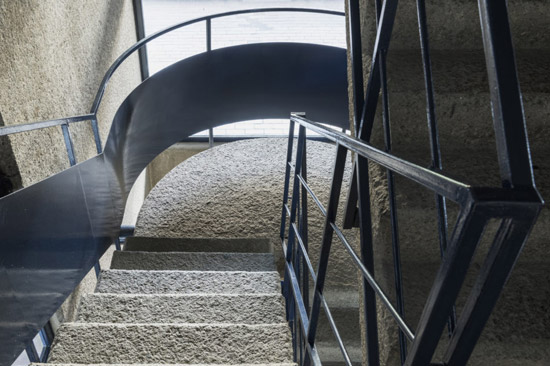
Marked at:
<point>171,304</point>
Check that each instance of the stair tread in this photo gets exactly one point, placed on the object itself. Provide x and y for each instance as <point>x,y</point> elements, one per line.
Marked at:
<point>137,308</point>
<point>222,282</point>
<point>161,343</point>
<point>197,261</point>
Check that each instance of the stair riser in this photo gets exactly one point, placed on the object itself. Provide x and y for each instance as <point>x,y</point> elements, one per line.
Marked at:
<point>193,261</point>
<point>182,309</point>
<point>182,282</point>
<point>129,344</point>
<point>244,245</point>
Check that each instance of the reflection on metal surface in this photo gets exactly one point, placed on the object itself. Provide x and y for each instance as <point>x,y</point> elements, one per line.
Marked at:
<point>54,231</point>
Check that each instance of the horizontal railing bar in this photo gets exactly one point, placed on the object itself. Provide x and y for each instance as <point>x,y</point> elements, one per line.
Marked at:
<point>321,296</point>
<point>220,139</point>
<point>25,127</point>
<point>304,252</point>
<point>370,279</point>
<point>302,312</point>
<point>304,320</point>
<point>312,194</point>
<point>144,41</point>
<point>332,324</point>
<point>437,182</point>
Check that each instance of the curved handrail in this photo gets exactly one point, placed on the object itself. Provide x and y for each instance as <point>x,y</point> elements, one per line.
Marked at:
<point>144,41</point>
<point>17,128</point>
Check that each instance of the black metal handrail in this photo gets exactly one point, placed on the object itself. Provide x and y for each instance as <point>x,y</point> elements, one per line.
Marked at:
<point>64,123</point>
<point>92,115</point>
<point>516,204</point>
<point>522,209</point>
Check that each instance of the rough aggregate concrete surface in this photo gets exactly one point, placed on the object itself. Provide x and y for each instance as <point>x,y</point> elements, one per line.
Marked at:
<point>155,343</point>
<point>172,282</point>
<point>214,308</point>
<point>258,262</point>
<point>53,55</point>
<point>235,191</point>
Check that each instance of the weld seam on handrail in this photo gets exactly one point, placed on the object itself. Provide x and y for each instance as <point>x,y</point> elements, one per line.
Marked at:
<point>322,297</point>
<point>370,279</point>
<point>430,179</point>
<point>144,41</point>
<point>25,127</point>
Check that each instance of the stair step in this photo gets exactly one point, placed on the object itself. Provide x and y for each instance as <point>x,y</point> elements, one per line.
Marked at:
<point>257,262</point>
<point>161,364</point>
<point>230,245</point>
<point>175,343</point>
<point>185,282</point>
<point>244,309</point>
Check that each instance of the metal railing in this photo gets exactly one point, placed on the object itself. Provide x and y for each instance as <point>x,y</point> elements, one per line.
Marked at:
<point>46,333</point>
<point>516,204</point>
<point>140,45</point>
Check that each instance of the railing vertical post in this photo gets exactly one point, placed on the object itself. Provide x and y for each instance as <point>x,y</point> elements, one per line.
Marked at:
<point>365,229</point>
<point>287,178</point>
<point>328,231</point>
<point>68,143</point>
<point>440,201</point>
<point>466,235</point>
<point>47,336</point>
<point>140,33</point>
<point>393,207</point>
<point>356,54</point>
<point>208,49</point>
<point>503,254</point>
<point>304,228</point>
<point>506,103</point>
<point>32,354</point>
<point>97,137</point>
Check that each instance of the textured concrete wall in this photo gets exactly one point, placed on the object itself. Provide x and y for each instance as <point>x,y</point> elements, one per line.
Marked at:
<point>53,55</point>
<point>169,159</point>
<point>235,191</point>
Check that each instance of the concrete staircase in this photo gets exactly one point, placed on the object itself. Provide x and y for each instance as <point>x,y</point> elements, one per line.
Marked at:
<point>180,306</point>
